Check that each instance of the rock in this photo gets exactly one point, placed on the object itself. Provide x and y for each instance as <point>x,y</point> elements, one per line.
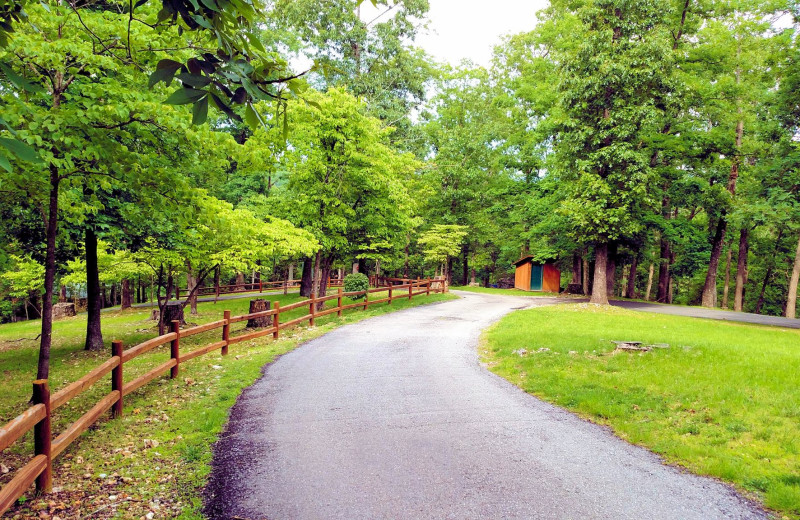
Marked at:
<point>4,469</point>
<point>150,515</point>
<point>543,349</point>
<point>573,353</point>
<point>63,310</point>
<point>631,346</point>
<point>216,367</point>
<point>521,352</point>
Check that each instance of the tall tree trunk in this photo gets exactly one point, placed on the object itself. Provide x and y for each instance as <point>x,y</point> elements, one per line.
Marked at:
<point>710,287</point>
<point>631,290</point>
<point>316,278</point>
<point>576,269</point>
<point>94,333</point>
<point>306,278</point>
<point>113,296</point>
<point>585,273</point>
<point>217,272</point>
<point>662,293</point>
<point>791,298</point>
<point>649,281</point>
<point>127,297</point>
<point>600,285</point>
<point>741,270</point>
<point>709,298</point>
<point>325,274</point>
<point>191,282</point>
<point>727,285</point>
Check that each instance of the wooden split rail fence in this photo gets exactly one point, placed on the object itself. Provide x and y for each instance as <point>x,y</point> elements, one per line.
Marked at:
<point>38,417</point>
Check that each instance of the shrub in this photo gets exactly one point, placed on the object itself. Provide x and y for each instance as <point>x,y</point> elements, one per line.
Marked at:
<point>356,282</point>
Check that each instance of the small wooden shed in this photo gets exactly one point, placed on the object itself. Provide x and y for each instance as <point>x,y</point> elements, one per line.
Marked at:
<point>536,276</point>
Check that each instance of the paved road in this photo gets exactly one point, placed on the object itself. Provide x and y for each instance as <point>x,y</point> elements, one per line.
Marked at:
<point>714,314</point>
<point>394,417</point>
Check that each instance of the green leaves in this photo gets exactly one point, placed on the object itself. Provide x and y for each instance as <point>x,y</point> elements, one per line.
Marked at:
<point>184,96</point>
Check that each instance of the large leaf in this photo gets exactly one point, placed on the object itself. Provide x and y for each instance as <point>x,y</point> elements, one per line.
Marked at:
<point>252,117</point>
<point>165,71</point>
<point>18,81</point>
<point>20,149</point>
<point>194,80</point>
<point>185,96</point>
<point>200,111</point>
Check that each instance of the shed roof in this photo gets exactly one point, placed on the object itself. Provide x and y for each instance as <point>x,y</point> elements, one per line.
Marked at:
<point>523,260</point>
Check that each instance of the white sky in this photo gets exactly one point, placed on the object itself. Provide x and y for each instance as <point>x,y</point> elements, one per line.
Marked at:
<point>469,29</point>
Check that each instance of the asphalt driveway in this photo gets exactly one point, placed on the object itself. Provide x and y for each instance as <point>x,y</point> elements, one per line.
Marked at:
<point>394,417</point>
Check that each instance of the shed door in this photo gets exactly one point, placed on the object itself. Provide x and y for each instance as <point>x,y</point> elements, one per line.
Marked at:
<point>536,277</point>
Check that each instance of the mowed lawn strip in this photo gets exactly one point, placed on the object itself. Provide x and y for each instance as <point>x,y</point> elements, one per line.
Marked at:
<point>505,292</point>
<point>112,472</point>
<point>723,400</point>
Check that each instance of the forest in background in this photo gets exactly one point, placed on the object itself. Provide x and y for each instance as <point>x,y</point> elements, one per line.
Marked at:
<point>650,148</point>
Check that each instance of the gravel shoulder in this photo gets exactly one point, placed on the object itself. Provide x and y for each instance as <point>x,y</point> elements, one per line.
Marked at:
<point>394,417</point>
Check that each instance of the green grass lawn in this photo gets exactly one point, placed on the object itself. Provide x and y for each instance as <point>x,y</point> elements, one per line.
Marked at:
<point>183,416</point>
<point>723,400</point>
<point>505,292</point>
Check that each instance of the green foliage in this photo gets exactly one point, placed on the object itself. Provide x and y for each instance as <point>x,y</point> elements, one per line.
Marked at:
<point>24,279</point>
<point>442,241</point>
<point>356,282</point>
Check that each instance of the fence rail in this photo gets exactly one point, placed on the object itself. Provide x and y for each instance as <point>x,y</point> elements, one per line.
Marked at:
<point>38,416</point>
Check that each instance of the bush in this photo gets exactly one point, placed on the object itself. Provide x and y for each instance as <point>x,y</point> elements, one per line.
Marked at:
<point>356,282</point>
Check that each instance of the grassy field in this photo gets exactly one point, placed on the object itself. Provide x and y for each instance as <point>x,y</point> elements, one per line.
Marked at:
<point>505,292</point>
<point>722,400</point>
<point>156,457</point>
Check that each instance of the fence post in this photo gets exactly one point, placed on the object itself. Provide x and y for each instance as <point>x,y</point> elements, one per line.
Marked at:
<point>226,331</point>
<point>285,287</point>
<point>428,287</point>
<point>177,293</point>
<point>390,294</point>
<point>277,321</point>
<point>366,299</point>
<point>410,288</point>
<point>311,310</point>
<point>116,378</point>
<point>42,436</point>
<point>260,284</point>
<point>174,348</point>
<point>339,303</point>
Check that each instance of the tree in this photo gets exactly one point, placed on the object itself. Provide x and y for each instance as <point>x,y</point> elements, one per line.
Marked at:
<point>346,185</point>
<point>373,59</point>
<point>442,242</point>
<point>608,85</point>
<point>23,281</point>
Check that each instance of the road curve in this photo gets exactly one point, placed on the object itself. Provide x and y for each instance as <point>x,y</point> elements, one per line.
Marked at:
<point>394,417</point>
